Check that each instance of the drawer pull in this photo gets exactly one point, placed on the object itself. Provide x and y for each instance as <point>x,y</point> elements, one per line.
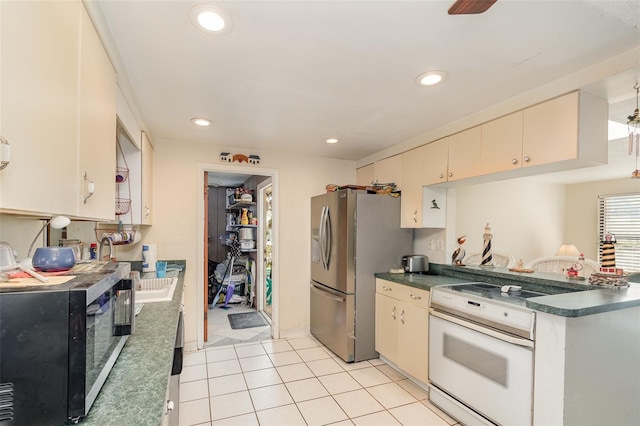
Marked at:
<point>393,313</point>
<point>385,288</point>
<point>402,316</point>
<point>415,297</point>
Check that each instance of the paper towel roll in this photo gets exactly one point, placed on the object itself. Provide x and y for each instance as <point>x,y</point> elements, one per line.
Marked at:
<point>149,257</point>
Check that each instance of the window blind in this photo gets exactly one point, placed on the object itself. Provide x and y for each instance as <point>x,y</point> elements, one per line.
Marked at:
<point>620,215</point>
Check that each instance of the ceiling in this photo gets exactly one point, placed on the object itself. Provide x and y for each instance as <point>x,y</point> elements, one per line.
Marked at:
<point>290,74</point>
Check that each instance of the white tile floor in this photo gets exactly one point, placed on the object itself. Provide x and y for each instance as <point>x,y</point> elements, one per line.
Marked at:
<point>297,381</point>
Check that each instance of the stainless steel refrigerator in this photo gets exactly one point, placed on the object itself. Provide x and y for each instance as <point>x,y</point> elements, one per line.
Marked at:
<point>353,236</point>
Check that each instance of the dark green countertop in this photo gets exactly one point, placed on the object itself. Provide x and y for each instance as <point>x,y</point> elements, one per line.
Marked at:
<point>134,393</point>
<point>567,298</point>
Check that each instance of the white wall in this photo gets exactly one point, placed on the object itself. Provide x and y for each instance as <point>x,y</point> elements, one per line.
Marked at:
<point>526,218</point>
<point>582,211</point>
<point>176,196</point>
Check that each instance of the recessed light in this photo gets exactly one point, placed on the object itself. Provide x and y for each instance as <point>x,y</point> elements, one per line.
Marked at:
<point>331,140</point>
<point>210,19</point>
<point>431,77</point>
<point>202,122</point>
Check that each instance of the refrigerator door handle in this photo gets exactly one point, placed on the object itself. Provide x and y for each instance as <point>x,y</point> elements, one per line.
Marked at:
<point>322,237</point>
<point>327,295</point>
<point>327,236</point>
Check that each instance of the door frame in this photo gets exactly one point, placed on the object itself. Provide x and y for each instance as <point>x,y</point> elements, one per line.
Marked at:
<point>260,279</point>
<point>201,267</point>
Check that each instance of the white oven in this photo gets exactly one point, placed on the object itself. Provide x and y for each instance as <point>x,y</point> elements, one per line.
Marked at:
<point>478,371</point>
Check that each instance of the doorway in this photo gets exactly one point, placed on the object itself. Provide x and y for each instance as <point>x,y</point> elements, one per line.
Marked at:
<point>247,271</point>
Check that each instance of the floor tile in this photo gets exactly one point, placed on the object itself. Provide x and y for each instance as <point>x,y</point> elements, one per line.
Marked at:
<point>415,390</point>
<point>312,354</point>
<point>226,384</point>
<point>193,372</point>
<point>285,358</point>
<point>254,349</point>
<point>350,366</point>
<point>358,403</point>
<point>391,395</point>
<point>270,397</point>
<point>276,346</point>
<point>288,415</point>
<point>343,423</point>
<point>249,419</point>
<point>260,378</point>
<point>221,354</point>
<point>303,343</point>
<point>417,414</point>
<point>376,419</point>
<point>230,405</point>
<point>390,372</point>
<point>321,411</point>
<point>255,363</point>
<point>223,368</point>
<point>303,390</point>
<point>369,377</point>
<point>377,361</point>
<point>197,389</point>
<point>194,412</point>
<point>339,383</point>
<point>194,358</point>
<point>292,372</point>
<point>322,367</point>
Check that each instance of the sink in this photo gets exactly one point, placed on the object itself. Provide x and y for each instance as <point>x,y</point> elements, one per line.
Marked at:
<point>156,290</point>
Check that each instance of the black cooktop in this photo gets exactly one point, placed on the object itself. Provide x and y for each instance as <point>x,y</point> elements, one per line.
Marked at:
<point>495,292</point>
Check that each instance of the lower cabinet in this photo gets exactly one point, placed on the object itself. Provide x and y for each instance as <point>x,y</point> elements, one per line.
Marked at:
<point>402,327</point>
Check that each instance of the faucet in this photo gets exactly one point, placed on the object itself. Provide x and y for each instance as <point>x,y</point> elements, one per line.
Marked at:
<point>109,243</point>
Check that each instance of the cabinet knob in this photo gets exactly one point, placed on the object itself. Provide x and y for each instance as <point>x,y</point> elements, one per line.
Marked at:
<point>415,214</point>
<point>441,176</point>
<point>527,159</point>
<point>514,161</point>
<point>169,406</point>
<point>450,174</point>
<point>402,316</point>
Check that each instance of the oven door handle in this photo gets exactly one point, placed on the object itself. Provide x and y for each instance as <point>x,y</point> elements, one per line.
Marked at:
<point>482,329</point>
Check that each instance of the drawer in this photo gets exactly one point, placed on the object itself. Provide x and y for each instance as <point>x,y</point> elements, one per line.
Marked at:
<point>411,295</point>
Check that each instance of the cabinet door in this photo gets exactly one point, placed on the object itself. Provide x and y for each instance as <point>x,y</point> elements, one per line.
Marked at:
<point>388,171</point>
<point>413,336</point>
<point>147,180</point>
<point>364,175</point>
<point>435,158</point>
<point>550,131</point>
<point>464,154</point>
<point>97,126</point>
<point>502,144</point>
<point>386,327</point>
<point>39,105</point>
<point>411,198</point>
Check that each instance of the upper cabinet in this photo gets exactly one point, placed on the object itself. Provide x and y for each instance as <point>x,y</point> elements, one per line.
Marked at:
<point>502,144</point>
<point>464,152</point>
<point>364,175</point>
<point>57,110</point>
<point>388,171</point>
<point>147,181</point>
<point>435,161</point>
<point>97,126</point>
<point>411,199</point>
<point>39,105</point>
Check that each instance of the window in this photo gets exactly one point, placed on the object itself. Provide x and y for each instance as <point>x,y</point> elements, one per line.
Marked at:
<point>620,215</point>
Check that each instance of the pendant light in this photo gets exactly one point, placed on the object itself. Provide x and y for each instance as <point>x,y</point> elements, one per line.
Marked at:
<point>633,126</point>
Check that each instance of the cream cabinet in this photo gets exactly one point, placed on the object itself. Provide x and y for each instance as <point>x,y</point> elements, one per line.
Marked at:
<point>147,181</point>
<point>39,105</point>
<point>137,157</point>
<point>57,111</point>
<point>464,154</point>
<point>402,326</point>
<point>97,127</point>
<point>435,161</point>
<point>502,144</point>
<point>365,175</point>
<point>411,198</point>
<point>388,171</point>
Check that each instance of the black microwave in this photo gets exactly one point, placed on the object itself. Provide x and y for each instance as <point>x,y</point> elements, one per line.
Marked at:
<point>58,344</point>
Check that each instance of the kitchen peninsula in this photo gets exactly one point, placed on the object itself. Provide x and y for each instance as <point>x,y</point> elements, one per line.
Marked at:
<point>587,340</point>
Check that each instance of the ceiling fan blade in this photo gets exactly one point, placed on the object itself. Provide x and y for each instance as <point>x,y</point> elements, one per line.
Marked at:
<point>470,7</point>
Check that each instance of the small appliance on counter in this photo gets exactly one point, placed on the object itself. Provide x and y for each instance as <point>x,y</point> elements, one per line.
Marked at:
<point>415,264</point>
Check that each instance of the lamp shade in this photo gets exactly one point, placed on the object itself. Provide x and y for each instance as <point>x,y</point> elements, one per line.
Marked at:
<point>568,250</point>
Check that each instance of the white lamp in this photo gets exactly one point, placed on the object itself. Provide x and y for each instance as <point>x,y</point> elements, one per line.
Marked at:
<point>56,222</point>
<point>568,250</point>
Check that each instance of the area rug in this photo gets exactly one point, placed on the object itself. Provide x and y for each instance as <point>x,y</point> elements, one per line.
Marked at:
<point>246,320</point>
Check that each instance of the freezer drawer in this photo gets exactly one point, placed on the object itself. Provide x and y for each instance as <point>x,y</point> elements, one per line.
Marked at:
<point>333,320</point>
